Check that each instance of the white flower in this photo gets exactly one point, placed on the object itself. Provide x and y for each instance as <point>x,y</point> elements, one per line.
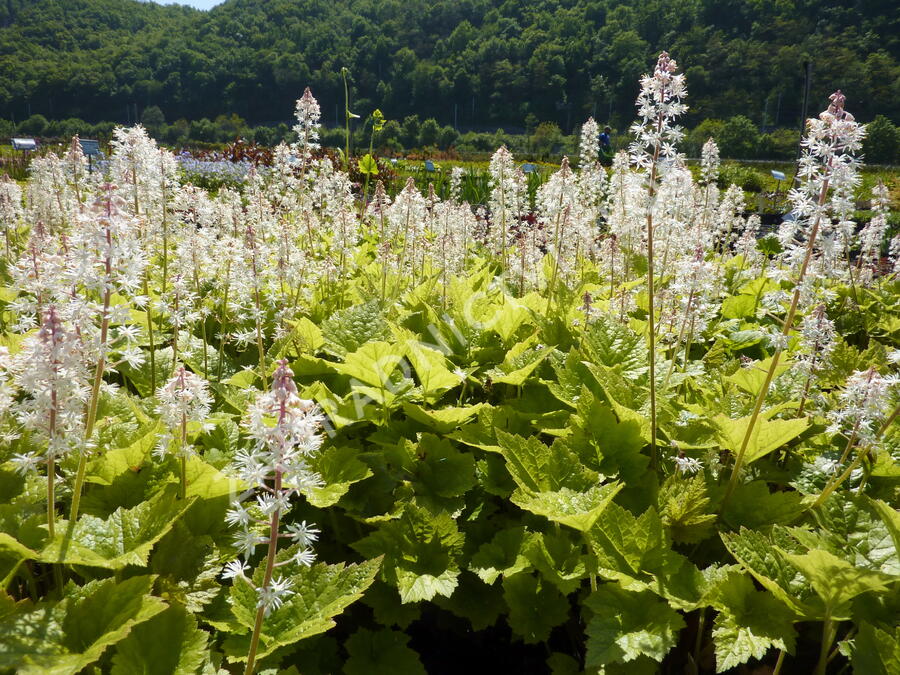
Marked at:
<point>184,397</point>
<point>25,463</point>
<point>238,515</point>
<point>235,569</point>
<point>271,597</point>
<point>685,465</point>
<point>303,533</point>
<point>304,557</point>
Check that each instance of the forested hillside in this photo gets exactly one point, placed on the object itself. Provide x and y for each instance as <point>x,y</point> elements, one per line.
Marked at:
<point>465,62</point>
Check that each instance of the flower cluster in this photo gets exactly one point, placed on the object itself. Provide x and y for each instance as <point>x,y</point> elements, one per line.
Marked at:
<point>829,173</point>
<point>50,372</point>
<point>285,430</point>
<point>864,405</point>
<point>183,399</point>
<point>659,103</point>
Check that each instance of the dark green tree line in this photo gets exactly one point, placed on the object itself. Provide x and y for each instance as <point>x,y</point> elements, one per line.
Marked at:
<point>466,63</point>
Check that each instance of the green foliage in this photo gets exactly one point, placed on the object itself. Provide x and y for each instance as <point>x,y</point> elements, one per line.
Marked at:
<point>381,653</point>
<point>625,625</point>
<point>125,538</point>
<point>421,552</point>
<point>170,642</point>
<point>535,606</point>
<point>749,622</point>
<point>69,635</point>
<point>882,142</point>
<point>322,592</point>
<point>478,65</point>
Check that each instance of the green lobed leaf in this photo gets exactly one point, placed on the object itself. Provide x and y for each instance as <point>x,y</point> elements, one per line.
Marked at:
<point>615,443</point>
<point>535,606</point>
<point>685,509</point>
<point>578,510</point>
<point>837,581</point>
<point>321,592</point>
<point>754,505</point>
<point>627,547</point>
<point>387,608</point>
<point>113,463</point>
<point>339,468</point>
<point>12,554</point>
<point>625,625</point>
<point>752,378</point>
<point>876,651</point>
<point>372,363</point>
<point>62,638</point>
<point>441,469</point>
<point>767,436</point>
<point>749,622</point>
<point>558,559</point>
<point>503,555</point>
<point>168,644</point>
<point>538,467</point>
<point>431,369</point>
<point>421,552</point>
<point>125,538</point>
<point>472,600</point>
<point>853,529</point>
<point>758,553</point>
<point>383,652</point>
<point>442,420</point>
<point>612,344</point>
<point>367,165</point>
<point>348,329</point>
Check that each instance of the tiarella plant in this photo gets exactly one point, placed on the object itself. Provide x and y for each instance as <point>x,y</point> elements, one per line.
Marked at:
<point>602,417</point>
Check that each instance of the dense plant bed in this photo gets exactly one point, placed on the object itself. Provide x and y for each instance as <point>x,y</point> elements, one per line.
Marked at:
<point>292,426</point>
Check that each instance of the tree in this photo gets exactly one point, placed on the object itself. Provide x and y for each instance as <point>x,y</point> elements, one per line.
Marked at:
<point>545,139</point>
<point>428,133</point>
<point>410,131</point>
<point>153,119</point>
<point>739,138</point>
<point>882,142</point>
<point>35,125</point>
<point>447,137</point>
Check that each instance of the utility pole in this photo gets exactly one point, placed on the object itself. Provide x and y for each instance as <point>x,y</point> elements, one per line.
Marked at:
<point>808,66</point>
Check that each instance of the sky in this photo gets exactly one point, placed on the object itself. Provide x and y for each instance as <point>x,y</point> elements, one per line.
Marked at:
<point>199,4</point>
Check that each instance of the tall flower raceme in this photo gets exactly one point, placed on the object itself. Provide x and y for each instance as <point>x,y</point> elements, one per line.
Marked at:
<point>561,214</point>
<point>508,200</point>
<point>728,219</point>
<point>405,220</point>
<point>653,152</point>
<point>894,253</point>
<point>456,176</point>
<point>144,173</point>
<point>592,180</point>
<point>868,405</point>
<point>104,256</point>
<point>81,179</point>
<point>828,166</point>
<point>817,342</point>
<point>695,289</point>
<point>50,373</point>
<point>285,432</point>
<point>11,213</point>
<point>182,401</point>
<point>49,196</point>
<point>626,209</point>
<point>307,113</point>
<point>872,235</point>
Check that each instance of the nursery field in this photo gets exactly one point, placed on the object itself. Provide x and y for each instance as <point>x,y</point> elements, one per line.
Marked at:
<point>599,421</point>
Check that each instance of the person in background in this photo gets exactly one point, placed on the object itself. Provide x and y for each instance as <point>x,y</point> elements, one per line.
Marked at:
<point>606,152</point>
